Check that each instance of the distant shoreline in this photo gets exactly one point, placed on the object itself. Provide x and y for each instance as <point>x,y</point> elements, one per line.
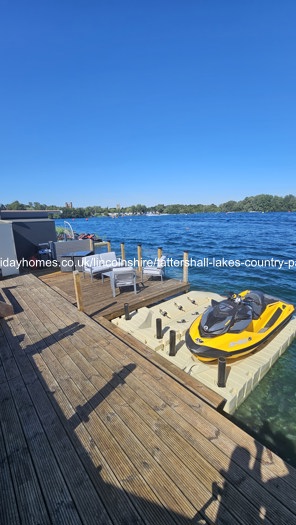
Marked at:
<point>263,203</point>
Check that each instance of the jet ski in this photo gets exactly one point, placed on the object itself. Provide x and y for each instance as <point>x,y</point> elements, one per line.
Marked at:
<point>237,325</point>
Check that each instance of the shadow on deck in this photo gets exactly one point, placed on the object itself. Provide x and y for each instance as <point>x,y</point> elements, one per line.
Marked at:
<point>101,306</point>
<point>93,434</point>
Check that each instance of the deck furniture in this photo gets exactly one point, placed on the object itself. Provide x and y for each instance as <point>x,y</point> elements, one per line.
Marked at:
<point>44,251</point>
<point>106,274</point>
<point>99,263</point>
<point>155,270</point>
<point>123,277</point>
<point>73,260</point>
<point>109,260</point>
<point>60,248</point>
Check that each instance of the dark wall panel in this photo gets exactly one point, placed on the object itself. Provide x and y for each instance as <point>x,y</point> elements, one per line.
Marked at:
<point>28,234</point>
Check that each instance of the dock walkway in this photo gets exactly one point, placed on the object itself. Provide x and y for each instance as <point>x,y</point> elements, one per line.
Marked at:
<point>97,297</point>
<point>92,432</point>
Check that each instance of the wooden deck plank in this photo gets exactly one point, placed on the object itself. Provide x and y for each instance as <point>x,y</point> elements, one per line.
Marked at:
<point>99,400</point>
<point>134,434</point>
<point>86,499</point>
<point>145,480</point>
<point>30,502</point>
<point>71,468</point>
<point>97,295</point>
<point>8,503</point>
<point>129,479</point>
<point>205,393</point>
<point>212,431</point>
<point>59,503</point>
<point>76,376</point>
<point>131,444</point>
<point>58,500</point>
<point>106,480</point>
<point>162,484</point>
<point>211,397</point>
<point>275,465</point>
<point>101,474</point>
<point>206,451</point>
<point>178,436</point>
<point>216,428</point>
<point>160,439</point>
<point>233,430</point>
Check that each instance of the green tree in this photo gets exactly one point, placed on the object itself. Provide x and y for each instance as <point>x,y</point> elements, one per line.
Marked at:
<point>16,205</point>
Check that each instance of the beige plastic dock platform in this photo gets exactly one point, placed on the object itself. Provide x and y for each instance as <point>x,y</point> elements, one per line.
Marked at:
<point>243,374</point>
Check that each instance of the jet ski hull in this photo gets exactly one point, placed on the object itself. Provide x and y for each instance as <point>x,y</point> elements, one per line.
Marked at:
<point>233,343</point>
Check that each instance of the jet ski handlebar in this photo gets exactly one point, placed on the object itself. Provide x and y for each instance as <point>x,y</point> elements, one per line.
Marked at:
<point>236,297</point>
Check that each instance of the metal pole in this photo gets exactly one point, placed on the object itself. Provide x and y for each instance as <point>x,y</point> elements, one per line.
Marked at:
<point>158,328</point>
<point>172,351</point>
<point>126,312</point>
<point>221,372</point>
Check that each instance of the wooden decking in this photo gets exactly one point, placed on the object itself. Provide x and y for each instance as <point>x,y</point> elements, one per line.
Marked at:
<point>101,306</point>
<point>92,432</point>
<point>97,296</point>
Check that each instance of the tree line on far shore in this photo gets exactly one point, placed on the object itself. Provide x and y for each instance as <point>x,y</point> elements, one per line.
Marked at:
<point>259,203</point>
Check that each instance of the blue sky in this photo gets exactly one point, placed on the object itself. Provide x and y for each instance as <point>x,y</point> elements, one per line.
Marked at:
<point>107,102</point>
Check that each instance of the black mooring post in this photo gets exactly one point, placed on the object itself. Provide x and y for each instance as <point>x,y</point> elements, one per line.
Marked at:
<point>126,312</point>
<point>221,372</point>
<point>172,351</point>
<point>158,328</point>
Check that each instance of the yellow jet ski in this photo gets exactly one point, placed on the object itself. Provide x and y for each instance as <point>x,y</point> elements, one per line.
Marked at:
<point>237,325</point>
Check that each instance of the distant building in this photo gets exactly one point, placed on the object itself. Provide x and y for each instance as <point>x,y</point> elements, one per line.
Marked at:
<point>68,205</point>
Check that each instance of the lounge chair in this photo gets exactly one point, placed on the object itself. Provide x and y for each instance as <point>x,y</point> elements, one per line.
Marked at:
<point>99,263</point>
<point>121,277</point>
<point>155,270</point>
<point>109,260</point>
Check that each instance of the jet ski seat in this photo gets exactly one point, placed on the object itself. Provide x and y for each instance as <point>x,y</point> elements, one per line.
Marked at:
<point>256,299</point>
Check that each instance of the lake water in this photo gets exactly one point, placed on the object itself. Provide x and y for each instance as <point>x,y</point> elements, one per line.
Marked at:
<point>229,252</point>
